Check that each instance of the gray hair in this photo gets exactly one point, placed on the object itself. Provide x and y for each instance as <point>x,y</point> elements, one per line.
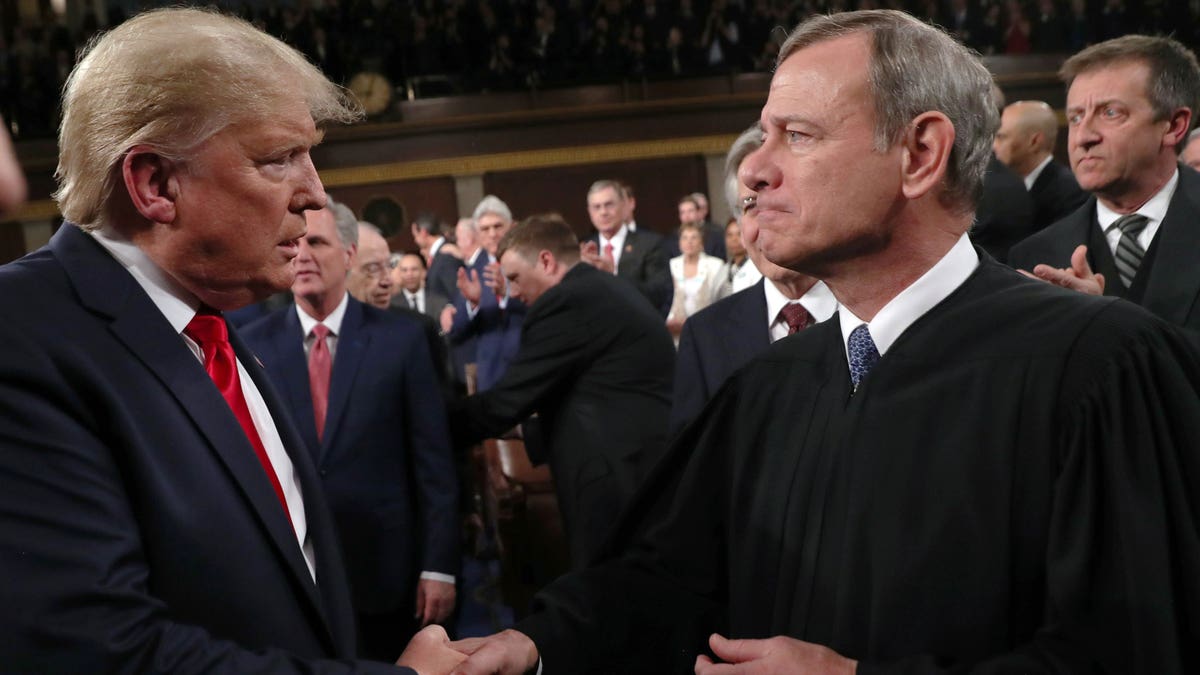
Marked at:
<point>750,140</point>
<point>1174,80</point>
<point>916,68</point>
<point>493,204</point>
<point>347,224</point>
<point>170,79</point>
<point>605,184</point>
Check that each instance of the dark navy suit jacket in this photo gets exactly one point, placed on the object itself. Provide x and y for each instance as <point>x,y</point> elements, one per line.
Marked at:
<point>138,531</point>
<point>496,331</point>
<point>384,458</point>
<point>714,344</point>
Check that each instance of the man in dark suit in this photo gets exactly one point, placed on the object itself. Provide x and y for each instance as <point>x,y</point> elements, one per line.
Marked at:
<point>356,379</point>
<point>723,337</point>
<point>595,364</point>
<point>413,291</point>
<point>1025,143</point>
<point>483,310</point>
<point>443,267</point>
<point>1004,215</point>
<point>635,256</point>
<point>160,513</point>
<point>1130,104</point>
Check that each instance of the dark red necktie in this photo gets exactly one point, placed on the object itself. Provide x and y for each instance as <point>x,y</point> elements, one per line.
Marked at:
<point>795,316</point>
<point>608,255</point>
<point>209,331</point>
<point>320,365</point>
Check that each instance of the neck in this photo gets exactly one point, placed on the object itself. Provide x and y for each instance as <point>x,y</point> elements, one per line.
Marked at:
<point>794,286</point>
<point>1133,197</point>
<point>320,305</point>
<point>1027,168</point>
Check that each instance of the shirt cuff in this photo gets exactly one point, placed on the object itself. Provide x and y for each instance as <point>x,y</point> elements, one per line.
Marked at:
<point>438,576</point>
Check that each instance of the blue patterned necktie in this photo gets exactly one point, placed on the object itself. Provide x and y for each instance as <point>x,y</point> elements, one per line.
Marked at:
<point>863,354</point>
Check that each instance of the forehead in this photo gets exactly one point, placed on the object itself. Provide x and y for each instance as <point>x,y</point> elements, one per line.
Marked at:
<point>603,196</point>
<point>490,220</point>
<point>1125,81</point>
<point>371,246</point>
<point>823,78</point>
<point>410,262</point>
<point>321,223</point>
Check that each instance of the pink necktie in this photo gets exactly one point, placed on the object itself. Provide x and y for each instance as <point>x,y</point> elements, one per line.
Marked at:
<point>608,255</point>
<point>209,331</point>
<point>320,365</point>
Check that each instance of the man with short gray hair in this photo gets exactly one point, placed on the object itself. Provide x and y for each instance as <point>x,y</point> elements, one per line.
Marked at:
<point>958,473</point>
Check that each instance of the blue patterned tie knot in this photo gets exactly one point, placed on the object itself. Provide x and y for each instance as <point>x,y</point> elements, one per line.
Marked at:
<point>862,352</point>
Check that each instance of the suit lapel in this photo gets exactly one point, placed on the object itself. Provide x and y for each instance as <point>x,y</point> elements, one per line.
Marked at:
<point>751,311</point>
<point>106,288</point>
<point>351,347</point>
<point>1174,282</point>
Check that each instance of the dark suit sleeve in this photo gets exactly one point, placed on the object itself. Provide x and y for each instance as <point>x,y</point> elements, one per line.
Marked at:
<point>690,391</point>
<point>554,344</point>
<point>433,464</point>
<point>76,591</point>
<point>657,284</point>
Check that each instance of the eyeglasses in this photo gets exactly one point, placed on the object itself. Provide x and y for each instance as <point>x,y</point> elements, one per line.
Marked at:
<point>375,270</point>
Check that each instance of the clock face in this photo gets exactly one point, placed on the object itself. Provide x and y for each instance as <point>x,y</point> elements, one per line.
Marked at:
<point>373,91</point>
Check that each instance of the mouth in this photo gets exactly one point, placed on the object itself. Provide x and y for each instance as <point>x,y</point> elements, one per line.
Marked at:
<point>290,247</point>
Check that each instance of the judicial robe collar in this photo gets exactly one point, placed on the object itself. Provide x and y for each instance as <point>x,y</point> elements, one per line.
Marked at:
<point>913,302</point>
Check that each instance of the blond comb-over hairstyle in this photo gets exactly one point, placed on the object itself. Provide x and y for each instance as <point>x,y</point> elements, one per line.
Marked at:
<point>170,79</point>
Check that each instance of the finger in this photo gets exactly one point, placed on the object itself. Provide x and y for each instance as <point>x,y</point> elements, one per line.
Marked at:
<point>1079,262</point>
<point>705,666</point>
<point>1031,275</point>
<point>420,608</point>
<point>736,651</point>
<point>1099,280</point>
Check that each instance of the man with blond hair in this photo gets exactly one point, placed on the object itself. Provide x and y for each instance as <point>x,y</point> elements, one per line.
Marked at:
<point>160,511</point>
<point>965,470</point>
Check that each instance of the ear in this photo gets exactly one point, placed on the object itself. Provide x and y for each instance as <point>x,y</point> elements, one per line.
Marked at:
<point>351,252</point>
<point>1035,140</point>
<point>926,153</point>
<point>152,182</point>
<point>547,261</point>
<point>1177,127</point>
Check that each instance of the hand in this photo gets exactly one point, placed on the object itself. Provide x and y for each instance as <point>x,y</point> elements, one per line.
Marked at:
<point>589,252</point>
<point>430,653</point>
<point>447,318</point>
<point>435,601</point>
<point>469,286</point>
<point>674,325</point>
<point>775,655</point>
<point>506,653</point>
<point>494,278</point>
<point>1078,277</point>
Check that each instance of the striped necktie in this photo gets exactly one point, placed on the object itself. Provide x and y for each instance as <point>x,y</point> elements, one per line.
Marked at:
<point>1129,253</point>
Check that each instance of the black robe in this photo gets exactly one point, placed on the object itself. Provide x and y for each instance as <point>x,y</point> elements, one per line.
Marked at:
<point>1015,487</point>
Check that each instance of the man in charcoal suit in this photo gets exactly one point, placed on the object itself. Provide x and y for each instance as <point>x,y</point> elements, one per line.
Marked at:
<point>636,256</point>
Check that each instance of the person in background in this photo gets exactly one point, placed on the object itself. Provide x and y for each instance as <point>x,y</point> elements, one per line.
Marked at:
<point>700,279</point>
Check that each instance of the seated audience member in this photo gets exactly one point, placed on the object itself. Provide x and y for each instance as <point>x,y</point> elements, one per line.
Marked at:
<point>1025,143</point>
<point>595,364</point>
<point>958,474</point>
<point>12,179</point>
<point>700,279</point>
<point>482,309</point>
<point>358,379</point>
<point>636,256</point>
<point>160,511</point>
<point>719,340</point>
<point>1130,104</point>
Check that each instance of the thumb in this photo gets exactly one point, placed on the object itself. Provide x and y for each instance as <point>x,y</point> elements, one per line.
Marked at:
<point>735,651</point>
<point>1079,262</point>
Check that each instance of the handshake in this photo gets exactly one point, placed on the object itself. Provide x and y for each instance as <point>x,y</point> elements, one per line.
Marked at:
<point>431,652</point>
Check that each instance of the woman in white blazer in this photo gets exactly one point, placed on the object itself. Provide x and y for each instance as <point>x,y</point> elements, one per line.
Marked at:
<point>700,279</point>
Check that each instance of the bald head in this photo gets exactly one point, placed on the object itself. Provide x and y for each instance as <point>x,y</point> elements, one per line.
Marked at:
<point>1027,134</point>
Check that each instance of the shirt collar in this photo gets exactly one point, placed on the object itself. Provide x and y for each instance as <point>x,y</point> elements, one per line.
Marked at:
<point>617,241</point>
<point>1032,176</point>
<point>818,300</point>
<point>913,302</point>
<point>333,322</point>
<point>1155,208</point>
<point>437,244</point>
<point>175,302</point>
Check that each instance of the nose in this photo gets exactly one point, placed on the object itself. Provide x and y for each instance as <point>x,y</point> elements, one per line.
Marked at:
<point>1083,133</point>
<point>310,194</point>
<point>758,172</point>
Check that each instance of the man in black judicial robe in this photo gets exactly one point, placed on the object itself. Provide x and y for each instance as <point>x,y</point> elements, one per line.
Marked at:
<point>965,471</point>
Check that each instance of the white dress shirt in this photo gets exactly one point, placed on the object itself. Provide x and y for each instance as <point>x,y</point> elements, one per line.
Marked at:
<point>1032,177</point>
<point>179,307</point>
<point>746,276</point>
<point>912,303</point>
<point>1155,209</point>
<point>818,301</point>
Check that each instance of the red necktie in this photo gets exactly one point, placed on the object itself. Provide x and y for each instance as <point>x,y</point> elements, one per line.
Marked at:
<point>608,255</point>
<point>209,331</point>
<point>795,316</point>
<point>320,365</point>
